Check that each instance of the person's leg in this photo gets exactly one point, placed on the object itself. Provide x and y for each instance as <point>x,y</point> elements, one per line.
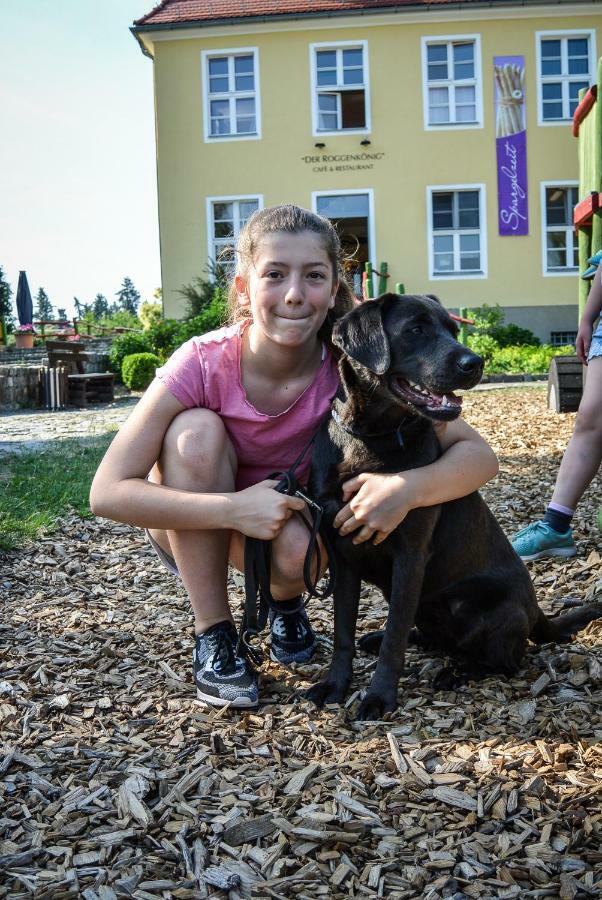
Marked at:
<point>553,536</point>
<point>583,454</point>
<point>293,639</point>
<point>197,455</point>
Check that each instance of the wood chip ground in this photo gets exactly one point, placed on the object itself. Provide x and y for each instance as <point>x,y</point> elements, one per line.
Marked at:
<point>116,782</point>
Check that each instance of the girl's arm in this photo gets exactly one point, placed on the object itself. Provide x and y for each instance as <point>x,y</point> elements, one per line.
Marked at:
<point>121,492</point>
<point>378,503</point>
<point>590,314</point>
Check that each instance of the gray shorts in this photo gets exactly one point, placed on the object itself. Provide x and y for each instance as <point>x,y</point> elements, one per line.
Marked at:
<point>166,558</point>
<point>596,344</point>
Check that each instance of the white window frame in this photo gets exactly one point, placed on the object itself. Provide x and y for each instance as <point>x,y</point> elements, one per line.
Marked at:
<point>234,198</point>
<point>450,39</point>
<point>206,55</point>
<point>371,220</point>
<point>570,271</point>
<point>336,45</point>
<point>447,188</point>
<point>592,77</point>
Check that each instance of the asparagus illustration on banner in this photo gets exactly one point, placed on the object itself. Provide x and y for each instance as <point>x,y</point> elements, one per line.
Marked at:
<point>510,81</point>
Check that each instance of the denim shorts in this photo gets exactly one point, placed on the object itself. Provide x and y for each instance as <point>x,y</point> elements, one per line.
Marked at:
<point>596,344</point>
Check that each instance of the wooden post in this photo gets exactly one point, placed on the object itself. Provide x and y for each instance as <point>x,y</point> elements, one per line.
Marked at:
<point>382,278</point>
<point>463,333</point>
<point>369,284</point>
<point>400,288</point>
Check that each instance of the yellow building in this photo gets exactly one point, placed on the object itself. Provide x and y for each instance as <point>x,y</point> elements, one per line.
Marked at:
<point>436,133</point>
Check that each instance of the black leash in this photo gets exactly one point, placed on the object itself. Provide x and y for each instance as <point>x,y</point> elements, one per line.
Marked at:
<point>258,596</point>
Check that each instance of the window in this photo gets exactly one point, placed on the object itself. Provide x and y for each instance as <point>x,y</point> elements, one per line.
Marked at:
<point>457,231</point>
<point>226,216</point>
<point>565,65</point>
<point>562,338</point>
<point>340,93</point>
<point>452,82</point>
<point>231,92</point>
<point>561,248</point>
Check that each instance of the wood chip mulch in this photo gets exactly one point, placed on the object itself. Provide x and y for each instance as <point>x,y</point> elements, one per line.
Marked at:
<point>116,782</point>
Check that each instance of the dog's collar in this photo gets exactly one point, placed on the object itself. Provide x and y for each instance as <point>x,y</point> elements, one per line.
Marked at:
<point>370,435</point>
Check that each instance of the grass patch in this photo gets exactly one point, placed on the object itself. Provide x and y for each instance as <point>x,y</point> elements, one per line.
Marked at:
<point>38,487</point>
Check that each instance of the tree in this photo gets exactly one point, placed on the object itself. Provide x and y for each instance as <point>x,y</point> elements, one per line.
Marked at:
<point>81,308</point>
<point>43,309</point>
<point>128,297</point>
<point>100,306</point>
<point>6,311</point>
<point>62,314</point>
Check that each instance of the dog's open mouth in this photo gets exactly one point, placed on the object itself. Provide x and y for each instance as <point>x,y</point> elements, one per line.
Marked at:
<point>438,405</point>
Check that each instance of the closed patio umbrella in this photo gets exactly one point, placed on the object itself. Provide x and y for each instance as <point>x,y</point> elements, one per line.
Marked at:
<point>24,301</point>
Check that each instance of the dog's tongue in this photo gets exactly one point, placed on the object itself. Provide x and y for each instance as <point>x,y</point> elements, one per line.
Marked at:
<point>420,396</point>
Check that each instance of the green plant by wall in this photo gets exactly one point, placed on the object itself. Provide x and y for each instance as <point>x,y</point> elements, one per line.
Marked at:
<point>138,370</point>
<point>525,360</point>
<point>489,321</point>
<point>125,345</point>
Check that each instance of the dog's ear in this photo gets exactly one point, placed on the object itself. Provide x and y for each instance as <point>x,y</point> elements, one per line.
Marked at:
<point>361,335</point>
<point>433,297</point>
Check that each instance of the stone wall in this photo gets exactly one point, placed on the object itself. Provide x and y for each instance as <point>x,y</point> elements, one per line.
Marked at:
<point>19,386</point>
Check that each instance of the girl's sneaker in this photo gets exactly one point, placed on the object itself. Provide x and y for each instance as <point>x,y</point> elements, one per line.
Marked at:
<point>220,675</point>
<point>293,639</point>
<point>539,539</point>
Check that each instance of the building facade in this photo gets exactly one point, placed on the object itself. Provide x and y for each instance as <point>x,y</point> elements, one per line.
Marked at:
<point>436,134</point>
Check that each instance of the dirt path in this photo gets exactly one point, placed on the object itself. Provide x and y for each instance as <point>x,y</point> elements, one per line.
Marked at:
<point>115,782</point>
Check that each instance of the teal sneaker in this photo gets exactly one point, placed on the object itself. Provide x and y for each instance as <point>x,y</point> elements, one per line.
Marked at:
<point>540,539</point>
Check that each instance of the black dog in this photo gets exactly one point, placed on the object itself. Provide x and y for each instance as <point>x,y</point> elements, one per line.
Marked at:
<point>447,569</point>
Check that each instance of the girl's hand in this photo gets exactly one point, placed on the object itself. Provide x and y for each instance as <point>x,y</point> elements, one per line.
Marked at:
<point>378,504</point>
<point>261,512</point>
<point>584,339</point>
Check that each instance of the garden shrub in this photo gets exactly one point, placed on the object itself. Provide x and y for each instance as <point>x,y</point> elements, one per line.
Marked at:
<point>169,334</point>
<point>483,344</point>
<point>138,370</point>
<point>163,337</point>
<point>124,345</point>
<point>526,360</point>
<point>489,320</point>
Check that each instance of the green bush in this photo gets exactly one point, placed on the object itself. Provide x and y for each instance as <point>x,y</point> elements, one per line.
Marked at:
<point>514,336</point>
<point>167,335</point>
<point>525,360</point>
<point>489,321</point>
<point>483,344</point>
<point>163,337</point>
<point>138,370</point>
<point>125,345</point>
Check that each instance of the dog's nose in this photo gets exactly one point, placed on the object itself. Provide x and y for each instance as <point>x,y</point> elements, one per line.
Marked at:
<point>470,363</point>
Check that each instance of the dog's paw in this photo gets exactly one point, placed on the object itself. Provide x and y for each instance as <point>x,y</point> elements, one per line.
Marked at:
<point>450,678</point>
<point>374,706</point>
<point>370,643</point>
<point>327,692</point>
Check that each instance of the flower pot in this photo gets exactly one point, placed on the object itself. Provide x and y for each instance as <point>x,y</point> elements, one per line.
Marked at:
<point>24,340</point>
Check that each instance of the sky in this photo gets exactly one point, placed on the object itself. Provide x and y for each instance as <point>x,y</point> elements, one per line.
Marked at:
<point>78,192</point>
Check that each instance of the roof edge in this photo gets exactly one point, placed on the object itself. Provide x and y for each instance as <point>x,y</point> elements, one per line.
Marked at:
<point>141,27</point>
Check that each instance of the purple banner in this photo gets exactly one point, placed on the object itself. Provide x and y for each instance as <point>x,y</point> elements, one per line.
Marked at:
<point>511,145</point>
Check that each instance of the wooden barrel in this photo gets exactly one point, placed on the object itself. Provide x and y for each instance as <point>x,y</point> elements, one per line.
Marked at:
<point>565,384</point>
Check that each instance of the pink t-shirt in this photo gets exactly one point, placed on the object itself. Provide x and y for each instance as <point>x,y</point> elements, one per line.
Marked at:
<point>205,372</point>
